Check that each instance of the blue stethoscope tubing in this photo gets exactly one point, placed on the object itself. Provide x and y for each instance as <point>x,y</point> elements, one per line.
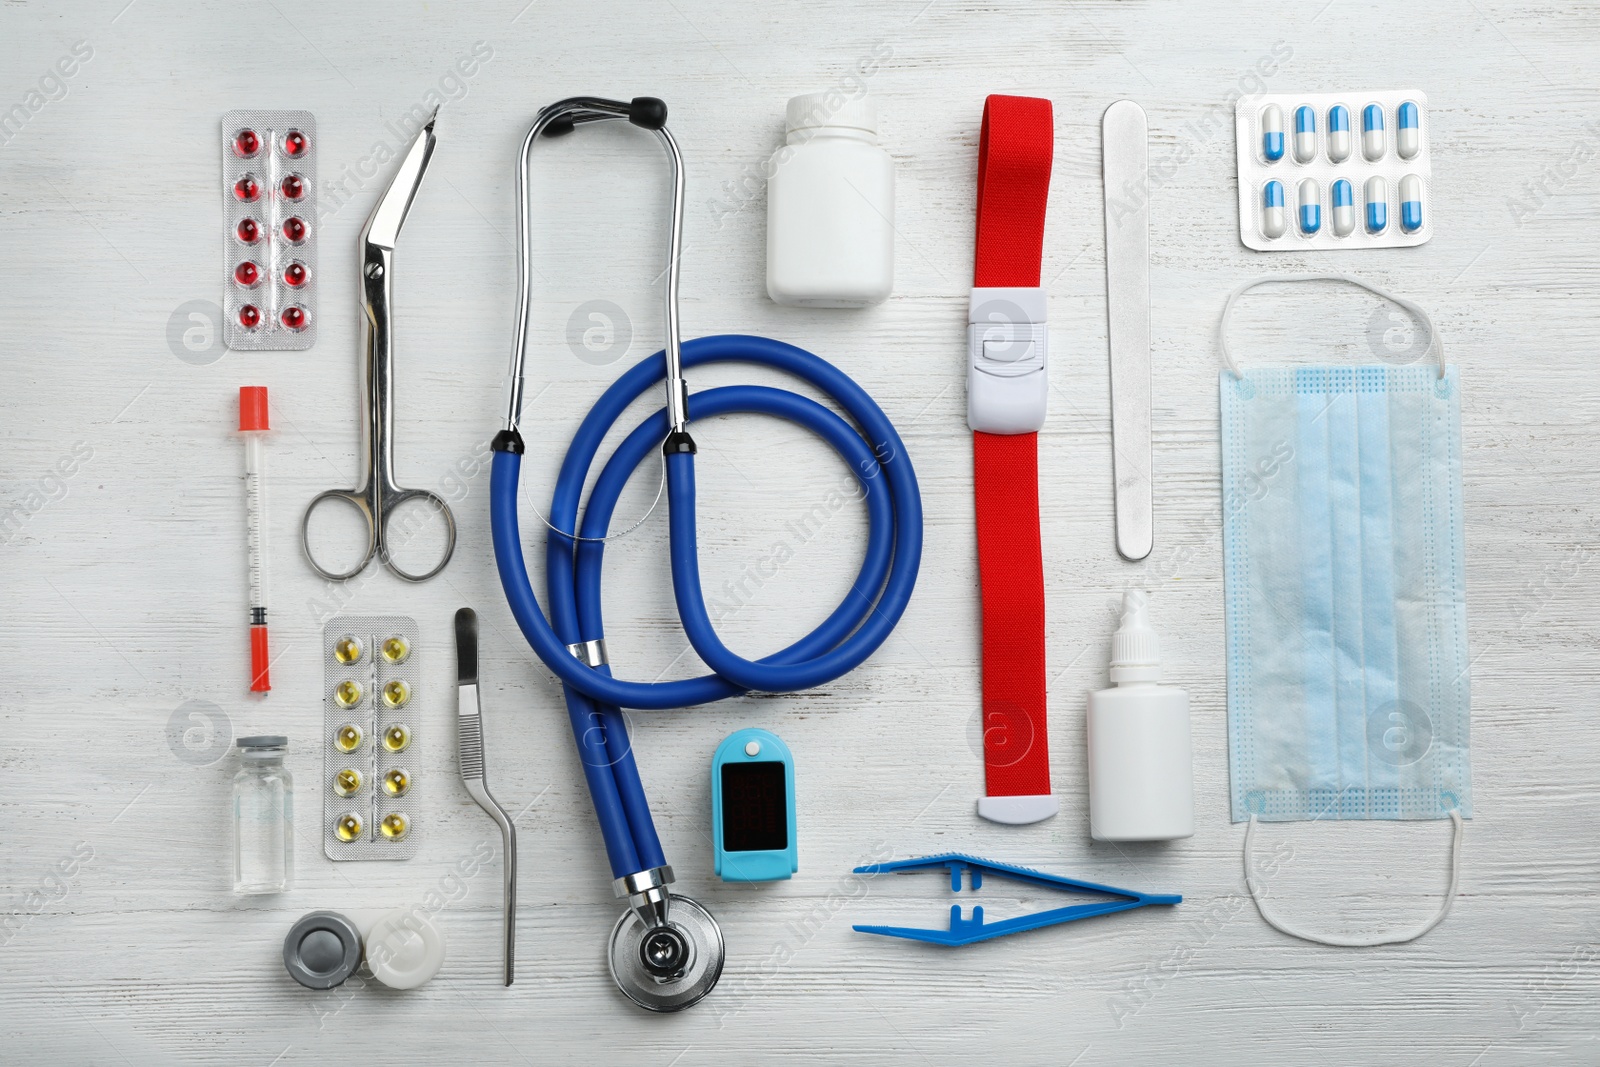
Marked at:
<point>854,631</point>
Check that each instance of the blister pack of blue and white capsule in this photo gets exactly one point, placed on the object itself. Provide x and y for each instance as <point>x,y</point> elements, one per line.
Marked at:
<point>372,703</point>
<point>1334,170</point>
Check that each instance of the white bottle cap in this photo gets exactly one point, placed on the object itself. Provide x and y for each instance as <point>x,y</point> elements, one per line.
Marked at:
<point>832,108</point>
<point>1135,647</point>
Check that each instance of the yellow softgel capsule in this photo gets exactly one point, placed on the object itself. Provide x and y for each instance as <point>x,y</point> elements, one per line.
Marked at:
<point>396,693</point>
<point>348,737</point>
<point>396,649</point>
<point>347,649</point>
<point>347,693</point>
<point>394,826</point>
<point>396,738</point>
<point>348,826</point>
<point>347,781</point>
<point>396,782</point>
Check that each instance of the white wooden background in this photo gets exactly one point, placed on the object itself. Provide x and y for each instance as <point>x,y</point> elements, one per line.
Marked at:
<point>124,591</point>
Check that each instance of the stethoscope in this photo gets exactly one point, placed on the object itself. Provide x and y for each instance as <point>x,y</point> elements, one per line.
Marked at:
<point>666,951</point>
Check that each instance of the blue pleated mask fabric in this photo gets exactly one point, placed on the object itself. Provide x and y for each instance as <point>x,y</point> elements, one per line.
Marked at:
<point>1346,592</point>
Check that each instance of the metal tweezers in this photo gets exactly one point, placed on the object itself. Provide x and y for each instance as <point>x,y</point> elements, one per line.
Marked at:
<point>469,742</point>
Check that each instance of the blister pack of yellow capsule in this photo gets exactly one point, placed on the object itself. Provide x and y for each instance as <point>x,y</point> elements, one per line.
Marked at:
<point>371,707</point>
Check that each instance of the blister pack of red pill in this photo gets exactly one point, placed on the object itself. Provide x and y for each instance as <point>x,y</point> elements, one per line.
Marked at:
<point>269,181</point>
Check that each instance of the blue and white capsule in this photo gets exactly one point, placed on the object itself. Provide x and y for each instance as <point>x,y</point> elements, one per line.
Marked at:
<point>1410,203</point>
<point>1310,207</point>
<point>1338,133</point>
<point>1272,133</point>
<point>1377,205</point>
<point>1372,139</point>
<point>1343,218</point>
<point>1408,135</point>
<point>1274,220</point>
<point>1305,134</point>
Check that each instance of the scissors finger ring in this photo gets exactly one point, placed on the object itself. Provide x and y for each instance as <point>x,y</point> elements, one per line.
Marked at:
<point>360,502</point>
<point>385,541</point>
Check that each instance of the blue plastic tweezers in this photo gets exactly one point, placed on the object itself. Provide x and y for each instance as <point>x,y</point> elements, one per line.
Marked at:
<point>968,931</point>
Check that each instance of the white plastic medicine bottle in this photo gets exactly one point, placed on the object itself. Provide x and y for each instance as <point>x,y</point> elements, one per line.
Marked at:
<point>830,206</point>
<point>1141,773</point>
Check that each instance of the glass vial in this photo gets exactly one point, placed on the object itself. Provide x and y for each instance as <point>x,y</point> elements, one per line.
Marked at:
<point>830,206</point>
<point>263,818</point>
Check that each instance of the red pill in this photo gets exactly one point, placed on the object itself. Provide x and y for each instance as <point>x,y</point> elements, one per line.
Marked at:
<point>247,189</point>
<point>294,228</point>
<point>295,143</point>
<point>247,274</point>
<point>294,317</point>
<point>246,143</point>
<point>294,275</point>
<point>249,316</point>
<point>248,231</point>
<point>293,187</point>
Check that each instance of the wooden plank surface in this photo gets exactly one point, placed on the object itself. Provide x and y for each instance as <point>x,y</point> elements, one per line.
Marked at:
<point>124,590</point>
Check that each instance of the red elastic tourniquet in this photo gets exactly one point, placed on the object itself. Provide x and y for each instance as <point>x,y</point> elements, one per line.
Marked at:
<point>1014,157</point>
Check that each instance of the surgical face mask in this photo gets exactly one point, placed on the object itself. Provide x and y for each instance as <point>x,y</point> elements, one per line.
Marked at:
<point>1346,604</point>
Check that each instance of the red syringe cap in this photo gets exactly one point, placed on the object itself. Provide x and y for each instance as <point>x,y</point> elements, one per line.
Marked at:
<point>253,408</point>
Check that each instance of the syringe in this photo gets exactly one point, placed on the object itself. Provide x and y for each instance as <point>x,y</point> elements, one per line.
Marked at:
<point>253,423</point>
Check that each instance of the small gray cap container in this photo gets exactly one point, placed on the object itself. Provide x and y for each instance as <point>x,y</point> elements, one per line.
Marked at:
<point>322,950</point>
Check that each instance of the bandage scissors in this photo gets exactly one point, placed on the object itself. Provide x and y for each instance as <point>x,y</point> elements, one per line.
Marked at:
<point>378,495</point>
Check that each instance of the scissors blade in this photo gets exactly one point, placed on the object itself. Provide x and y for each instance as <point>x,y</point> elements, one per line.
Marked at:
<point>383,225</point>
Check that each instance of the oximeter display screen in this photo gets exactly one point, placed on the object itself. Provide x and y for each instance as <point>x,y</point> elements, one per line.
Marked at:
<point>755,809</point>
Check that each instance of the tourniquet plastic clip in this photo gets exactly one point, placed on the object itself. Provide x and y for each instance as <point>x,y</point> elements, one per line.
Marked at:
<point>967,931</point>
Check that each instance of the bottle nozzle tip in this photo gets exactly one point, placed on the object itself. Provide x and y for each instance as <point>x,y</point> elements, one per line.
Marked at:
<point>1134,603</point>
<point>1135,644</point>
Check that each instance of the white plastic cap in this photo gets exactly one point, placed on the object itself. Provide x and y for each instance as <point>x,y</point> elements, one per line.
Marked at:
<point>404,948</point>
<point>833,108</point>
<point>1135,647</point>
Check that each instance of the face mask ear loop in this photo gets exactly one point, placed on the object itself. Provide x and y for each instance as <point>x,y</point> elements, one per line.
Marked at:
<point>1256,894</point>
<point>1435,342</point>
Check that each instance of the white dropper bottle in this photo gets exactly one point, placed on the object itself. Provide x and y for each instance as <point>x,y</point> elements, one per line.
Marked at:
<point>1141,773</point>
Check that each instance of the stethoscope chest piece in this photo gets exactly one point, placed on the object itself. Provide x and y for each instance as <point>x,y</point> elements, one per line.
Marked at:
<point>667,968</point>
